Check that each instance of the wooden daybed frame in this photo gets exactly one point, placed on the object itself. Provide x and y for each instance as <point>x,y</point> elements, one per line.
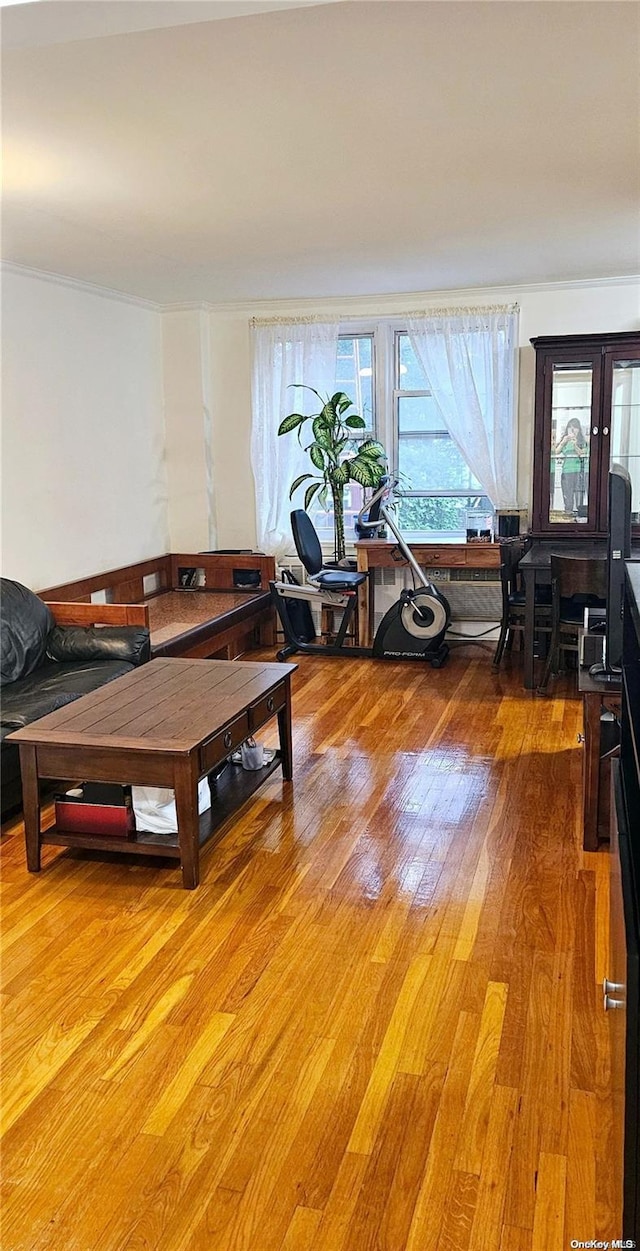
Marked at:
<point>218,619</point>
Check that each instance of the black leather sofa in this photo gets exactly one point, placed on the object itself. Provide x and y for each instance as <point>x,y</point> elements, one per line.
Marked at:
<point>45,666</point>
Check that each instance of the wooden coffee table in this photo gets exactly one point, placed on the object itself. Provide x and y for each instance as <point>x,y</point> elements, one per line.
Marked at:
<point>169,723</point>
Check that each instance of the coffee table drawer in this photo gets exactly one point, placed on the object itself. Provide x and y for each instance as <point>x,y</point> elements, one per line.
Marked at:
<point>224,742</point>
<point>265,708</point>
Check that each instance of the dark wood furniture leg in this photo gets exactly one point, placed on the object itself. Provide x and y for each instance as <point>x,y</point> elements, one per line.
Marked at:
<point>186,790</point>
<point>31,805</point>
<point>592,706</point>
<point>529,628</point>
<point>597,813</point>
<point>286,741</point>
<point>267,634</point>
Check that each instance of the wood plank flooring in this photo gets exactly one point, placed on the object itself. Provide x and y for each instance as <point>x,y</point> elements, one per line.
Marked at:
<point>375,1026</point>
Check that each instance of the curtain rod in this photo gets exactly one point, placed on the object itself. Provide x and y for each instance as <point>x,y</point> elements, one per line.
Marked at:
<point>455,310</point>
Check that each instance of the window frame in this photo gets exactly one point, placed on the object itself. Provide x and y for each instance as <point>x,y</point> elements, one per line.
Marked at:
<point>398,394</point>
<point>365,334</point>
<point>364,330</point>
<point>385,334</point>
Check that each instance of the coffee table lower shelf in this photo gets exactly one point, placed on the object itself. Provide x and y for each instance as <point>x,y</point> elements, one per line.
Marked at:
<point>233,788</point>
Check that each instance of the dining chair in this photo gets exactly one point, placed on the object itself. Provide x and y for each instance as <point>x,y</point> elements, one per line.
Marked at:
<point>513,599</point>
<point>577,582</point>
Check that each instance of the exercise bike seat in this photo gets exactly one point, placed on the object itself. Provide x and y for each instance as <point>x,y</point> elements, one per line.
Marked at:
<point>338,579</point>
<point>310,552</point>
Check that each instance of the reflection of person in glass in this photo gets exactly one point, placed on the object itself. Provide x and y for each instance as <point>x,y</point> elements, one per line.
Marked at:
<point>572,452</point>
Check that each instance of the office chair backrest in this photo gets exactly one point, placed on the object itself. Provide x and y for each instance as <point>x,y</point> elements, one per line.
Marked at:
<point>306,541</point>
<point>577,575</point>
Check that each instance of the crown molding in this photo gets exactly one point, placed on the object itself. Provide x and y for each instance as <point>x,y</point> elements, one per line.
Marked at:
<point>78,284</point>
<point>310,303</point>
<point>373,304</point>
<point>188,306</point>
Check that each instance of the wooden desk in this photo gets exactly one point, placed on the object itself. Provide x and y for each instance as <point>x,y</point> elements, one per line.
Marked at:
<point>380,554</point>
<point>168,723</point>
<point>536,570</point>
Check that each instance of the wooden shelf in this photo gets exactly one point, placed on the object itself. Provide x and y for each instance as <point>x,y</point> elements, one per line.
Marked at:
<point>233,788</point>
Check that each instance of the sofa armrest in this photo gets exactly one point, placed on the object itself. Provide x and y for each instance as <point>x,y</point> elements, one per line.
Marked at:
<point>66,614</point>
<point>71,644</point>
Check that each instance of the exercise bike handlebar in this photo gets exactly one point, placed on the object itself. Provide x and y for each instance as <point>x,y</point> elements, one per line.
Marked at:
<point>381,498</point>
<point>384,492</point>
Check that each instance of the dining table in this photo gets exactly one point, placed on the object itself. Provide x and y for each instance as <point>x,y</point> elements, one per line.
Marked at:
<point>536,571</point>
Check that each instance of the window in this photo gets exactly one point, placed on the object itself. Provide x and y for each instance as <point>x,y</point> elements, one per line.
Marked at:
<point>437,486</point>
<point>354,376</point>
<point>378,369</point>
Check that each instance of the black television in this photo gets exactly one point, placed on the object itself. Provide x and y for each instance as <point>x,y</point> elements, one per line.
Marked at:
<point>618,550</point>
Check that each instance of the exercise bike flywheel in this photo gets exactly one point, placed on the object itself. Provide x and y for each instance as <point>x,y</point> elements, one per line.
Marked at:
<point>424,616</point>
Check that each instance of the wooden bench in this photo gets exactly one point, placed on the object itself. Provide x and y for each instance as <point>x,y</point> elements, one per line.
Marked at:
<point>215,618</point>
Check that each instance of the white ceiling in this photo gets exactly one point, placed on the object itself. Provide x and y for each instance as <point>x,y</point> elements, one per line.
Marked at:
<point>332,149</point>
<point>32,25</point>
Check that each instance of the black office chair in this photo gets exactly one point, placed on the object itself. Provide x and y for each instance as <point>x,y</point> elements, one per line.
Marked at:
<point>310,553</point>
<point>325,586</point>
<point>513,599</point>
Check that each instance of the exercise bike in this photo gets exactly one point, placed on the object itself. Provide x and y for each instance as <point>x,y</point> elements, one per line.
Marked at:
<point>414,627</point>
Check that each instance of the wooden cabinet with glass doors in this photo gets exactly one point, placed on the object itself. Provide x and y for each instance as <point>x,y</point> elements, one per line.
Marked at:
<point>587,417</point>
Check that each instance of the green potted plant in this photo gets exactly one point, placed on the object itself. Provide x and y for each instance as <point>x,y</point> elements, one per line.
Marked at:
<point>336,456</point>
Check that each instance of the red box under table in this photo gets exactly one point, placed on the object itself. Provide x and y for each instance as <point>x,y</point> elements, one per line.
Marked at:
<point>81,818</point>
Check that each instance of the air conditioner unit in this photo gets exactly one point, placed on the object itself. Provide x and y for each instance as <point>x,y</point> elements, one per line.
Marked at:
<point>473,595</point>
<point>474,601</point>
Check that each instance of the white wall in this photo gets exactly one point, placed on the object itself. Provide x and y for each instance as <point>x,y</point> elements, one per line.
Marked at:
<point>579,308</point>
<point>84,482</point>
<point>188,434</point>
<point>86,380</point>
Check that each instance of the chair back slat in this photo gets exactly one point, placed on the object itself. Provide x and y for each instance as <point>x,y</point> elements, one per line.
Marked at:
<point>511,553</point>
<point>579,575</point>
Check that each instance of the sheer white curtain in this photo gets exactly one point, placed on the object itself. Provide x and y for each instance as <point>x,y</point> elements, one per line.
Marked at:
<point>300,352</point>
<point>470,363</point>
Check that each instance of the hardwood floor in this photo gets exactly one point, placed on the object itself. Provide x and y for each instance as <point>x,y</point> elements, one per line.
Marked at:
<point>375,1025</point>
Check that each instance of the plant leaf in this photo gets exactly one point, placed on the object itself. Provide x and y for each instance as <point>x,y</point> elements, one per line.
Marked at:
<point>341,474</point>
<point>329,414</point>
<point>355,423</point>
<point>294,485</point>
<point>362,472</point>
<point>309,494</point>
<point>290,423</point>
<point>372,450</point>
<point>302,386</point>
<point>344,404</point>
<point>321,428</point>
<point>317,456</point>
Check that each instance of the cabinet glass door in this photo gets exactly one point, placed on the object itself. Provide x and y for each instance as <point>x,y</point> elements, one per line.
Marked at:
<point>572,390</point>
<point>625,422</point>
